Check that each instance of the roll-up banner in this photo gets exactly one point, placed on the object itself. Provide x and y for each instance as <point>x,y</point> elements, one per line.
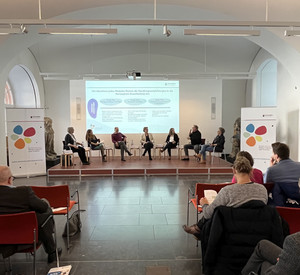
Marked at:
<point>26,141</point>
<point>258,132</point>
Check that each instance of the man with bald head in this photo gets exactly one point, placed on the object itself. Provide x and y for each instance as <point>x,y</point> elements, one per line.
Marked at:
<point>22,199</point>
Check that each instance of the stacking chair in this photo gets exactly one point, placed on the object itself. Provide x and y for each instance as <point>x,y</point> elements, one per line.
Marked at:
<point>67,156</point>
<point>217,154</point>
<point>21,229</point>
<point>194,197</point>
<point>59,197</point>
<point>291,216</point>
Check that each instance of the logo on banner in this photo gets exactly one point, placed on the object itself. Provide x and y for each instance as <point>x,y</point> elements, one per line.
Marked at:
<point>20,142</point>
<point>254,135</point>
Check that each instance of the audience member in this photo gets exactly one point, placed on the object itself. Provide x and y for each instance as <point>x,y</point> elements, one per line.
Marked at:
<point>71,143</point>
<point>95,143</point>
<point>233,195</point>
<point>147,141</point>
<point>22,199</point>
<point>171,142</point>
<point>195,137</point>
<point>257,175</point>
<point>285,174</point>
<point>217,144</point>
<point>119,141</point>
<point>270,259</point>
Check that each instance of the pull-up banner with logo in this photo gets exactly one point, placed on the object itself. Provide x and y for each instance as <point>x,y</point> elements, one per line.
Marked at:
<point>26,141</point>
<point>258,132</point>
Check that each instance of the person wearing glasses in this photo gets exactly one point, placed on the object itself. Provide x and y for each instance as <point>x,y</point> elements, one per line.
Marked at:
<point>22,199</point>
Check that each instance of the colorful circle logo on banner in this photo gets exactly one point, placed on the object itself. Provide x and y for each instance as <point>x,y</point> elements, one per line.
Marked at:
<point>20,142</point>
<point>254,135</point>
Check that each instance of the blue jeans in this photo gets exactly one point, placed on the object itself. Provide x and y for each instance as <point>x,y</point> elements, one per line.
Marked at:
<point>205,148</point>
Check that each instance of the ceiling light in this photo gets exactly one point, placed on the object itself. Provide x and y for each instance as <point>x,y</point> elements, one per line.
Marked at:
<point>221,32</point>
<point>77,31</point>
<point>13,30</point>
<point>292,33</point>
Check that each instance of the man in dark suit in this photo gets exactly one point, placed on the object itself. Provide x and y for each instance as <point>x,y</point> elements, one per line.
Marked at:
<point>22,199</point>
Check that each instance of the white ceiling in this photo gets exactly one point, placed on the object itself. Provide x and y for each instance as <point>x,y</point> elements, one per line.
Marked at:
<point>233,54</point>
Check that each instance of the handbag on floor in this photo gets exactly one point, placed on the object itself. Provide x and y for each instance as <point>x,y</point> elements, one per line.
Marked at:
<point>74,224</point>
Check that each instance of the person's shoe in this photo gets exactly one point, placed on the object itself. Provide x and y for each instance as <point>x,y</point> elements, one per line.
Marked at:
<point>52,256</point>
<point>203,162</point>
<point>169,158</point>
<point>143,154</point>
<point>161,150</point>
<point>86,163</point>
<point>185,159</point>
<point>104,159</point>
<point>129,154</point>
<point>193,229</point>
<point>123,159</point>
<point>150,158</point>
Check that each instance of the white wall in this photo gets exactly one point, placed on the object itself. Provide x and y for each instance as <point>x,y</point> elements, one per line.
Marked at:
<point>57,107</point>
<point>234,98</point>
<point>287,104</point>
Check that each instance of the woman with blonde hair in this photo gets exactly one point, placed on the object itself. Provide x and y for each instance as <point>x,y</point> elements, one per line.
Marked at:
<point>95,143</point>
<point>147,141</point>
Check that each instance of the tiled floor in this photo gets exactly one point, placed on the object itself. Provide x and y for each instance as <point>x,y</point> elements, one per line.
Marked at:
<point>130,223</point>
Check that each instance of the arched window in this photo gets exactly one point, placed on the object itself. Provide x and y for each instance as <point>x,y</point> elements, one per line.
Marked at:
<point>267,84</point>
<point>8,96</point>
<point>23,86</point>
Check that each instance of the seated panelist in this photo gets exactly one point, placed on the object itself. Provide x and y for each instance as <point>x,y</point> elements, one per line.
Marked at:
<point>119,141</point>
<point>94,143</point>
<point>195,137</point>
<point>171,142</point>
<point>72,144</point>
<point>147,142</point>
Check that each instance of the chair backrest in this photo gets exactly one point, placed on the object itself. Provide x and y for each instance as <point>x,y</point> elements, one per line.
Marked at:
<point>231,235</point>
<point>291,216</point>
<point>200,187</point>
<point>58,196</point>
<point>18,228</point>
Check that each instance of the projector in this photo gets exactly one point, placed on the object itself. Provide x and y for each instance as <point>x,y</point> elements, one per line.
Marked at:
<point>133,75</point>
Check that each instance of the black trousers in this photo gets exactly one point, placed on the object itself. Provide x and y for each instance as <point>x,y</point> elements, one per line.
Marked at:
<point>147,147</point>
<point>169,146</point>
<point>81,153</point>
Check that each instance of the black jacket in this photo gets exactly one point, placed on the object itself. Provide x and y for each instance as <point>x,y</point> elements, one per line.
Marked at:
<point>219,140</point>
<point>176,138</point>
<point>230,236</point>
<point>195,137</point>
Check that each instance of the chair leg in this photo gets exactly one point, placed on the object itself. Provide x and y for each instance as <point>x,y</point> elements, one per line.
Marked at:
<point>68,237</point>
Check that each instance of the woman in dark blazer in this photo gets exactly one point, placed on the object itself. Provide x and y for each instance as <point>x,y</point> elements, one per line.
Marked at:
<point>72,144</point>
<point>171,142</point>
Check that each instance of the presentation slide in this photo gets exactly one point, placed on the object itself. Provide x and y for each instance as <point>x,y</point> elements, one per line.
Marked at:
<point>132,105</point>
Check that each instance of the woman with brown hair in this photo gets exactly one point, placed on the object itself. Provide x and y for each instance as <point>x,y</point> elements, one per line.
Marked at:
<point>171,142</point>
<point>95,143</point>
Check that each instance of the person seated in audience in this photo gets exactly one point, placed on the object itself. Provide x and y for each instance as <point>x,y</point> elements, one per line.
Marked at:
<point>195,137</point>
<point>95,143</point>
<point>217,144</point>
<point>71,143</point>
<point>257,175</point>
<point>270,259</point>
<point>147,141</point>
<point>233,195</point>
<point>22,199</point>
<point>119,141</point>
<point>285,174</point>
<point>171,142</point>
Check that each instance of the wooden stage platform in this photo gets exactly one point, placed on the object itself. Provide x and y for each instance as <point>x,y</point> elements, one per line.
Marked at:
<point>136,166</point>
